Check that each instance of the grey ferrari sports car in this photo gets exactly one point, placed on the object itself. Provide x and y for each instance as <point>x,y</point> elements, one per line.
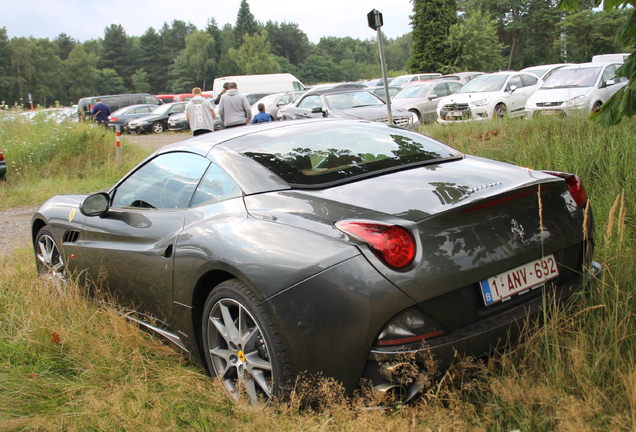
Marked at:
<point>324,246</point>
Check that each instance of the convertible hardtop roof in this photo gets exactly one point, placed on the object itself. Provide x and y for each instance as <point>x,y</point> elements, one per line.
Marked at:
<point>202,144</point>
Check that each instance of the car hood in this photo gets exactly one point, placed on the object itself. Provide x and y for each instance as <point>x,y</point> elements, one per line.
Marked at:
<point>373,113</point>
<point>406,103</point>
<point>559,95</point>
<point>467,97</point>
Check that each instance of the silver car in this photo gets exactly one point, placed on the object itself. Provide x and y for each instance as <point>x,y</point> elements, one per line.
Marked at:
<point>422,99</point>
<point>275,101</point>
<point>578,88</point>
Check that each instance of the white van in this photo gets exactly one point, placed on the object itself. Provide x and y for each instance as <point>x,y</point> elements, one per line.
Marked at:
<point>610,58</point>
<point>266,83</point>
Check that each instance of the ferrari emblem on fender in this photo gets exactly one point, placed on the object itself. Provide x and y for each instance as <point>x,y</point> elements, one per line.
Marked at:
<point>71,215</point>
<point>517,229</point>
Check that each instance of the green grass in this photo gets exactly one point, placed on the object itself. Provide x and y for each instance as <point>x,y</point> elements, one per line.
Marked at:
<point>45,159</point>
<point>67,364</point>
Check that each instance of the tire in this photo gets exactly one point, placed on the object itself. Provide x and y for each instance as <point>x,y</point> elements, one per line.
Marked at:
<point>597,106</point>
<point>500,112</point>
<point>157,127</point>
<point>241,347</point>
<point>49,260</point>
<point>417,113</point>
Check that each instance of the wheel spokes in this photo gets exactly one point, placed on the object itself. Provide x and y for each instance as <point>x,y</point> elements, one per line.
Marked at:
<point>238,351</point>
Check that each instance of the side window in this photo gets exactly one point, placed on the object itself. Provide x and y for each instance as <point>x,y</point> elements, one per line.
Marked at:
<point>609,73</point>
<point>136,99</point>
<point>215,186</point>
<point>298,86</point>
<point>166,182</point>
<point>177,109</point>
<point>453,87</point>
<point>514,81</point>
<point>310,102</point>
<point>529,80</point>
<point>441,90</point>
<point>112,103</point>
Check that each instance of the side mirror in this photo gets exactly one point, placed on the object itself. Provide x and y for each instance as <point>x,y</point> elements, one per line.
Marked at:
<point>317,110</point>
<point>609,83</point>
<point>432,96</point>
<point>95,205</point>
<point>513,88</point>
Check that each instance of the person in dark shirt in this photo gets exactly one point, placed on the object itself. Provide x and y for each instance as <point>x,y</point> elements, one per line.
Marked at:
<point>100,113</point>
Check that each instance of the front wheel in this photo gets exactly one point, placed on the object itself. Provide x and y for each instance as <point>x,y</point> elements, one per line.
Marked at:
<point>157,127</point>
<point>597,106</point>
<point>49,260</point>
<point>499,112</point>
<point>241,346</point>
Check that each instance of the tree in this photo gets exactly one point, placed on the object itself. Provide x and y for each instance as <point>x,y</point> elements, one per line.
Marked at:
<point>288,41</point>
<point>65,45</point>
<point>431,22</point>
<point>317,69</point>
<point>7,94</point>
<point>474,44</point>
<point>397,52</point>
<point>140,81</point>
<point>81,73</point>
<point>245,24</point>
<point>199,56</point>
<point>623,102</point>
<point>588,33</point>
<point>153,60</point>
<point>116,52</point>
<point>253,57</point>
<point>108,82</point>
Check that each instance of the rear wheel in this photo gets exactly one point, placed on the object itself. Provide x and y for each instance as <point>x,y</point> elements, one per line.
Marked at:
<point>499,112</point>
<point>49,260</point>
<point>157,127</point>
<point>241,346</point>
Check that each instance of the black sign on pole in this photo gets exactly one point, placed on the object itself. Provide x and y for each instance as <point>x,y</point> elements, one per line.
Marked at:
<point>374,18</point>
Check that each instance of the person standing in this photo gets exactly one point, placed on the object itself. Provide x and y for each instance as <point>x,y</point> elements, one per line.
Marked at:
<point>262,116</point>
<point>234,108</point>
<point>218,98</point>
<point>199,113</point>
<point>100,113</point>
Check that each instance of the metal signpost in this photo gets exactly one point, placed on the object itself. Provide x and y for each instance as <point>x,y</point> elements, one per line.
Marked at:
<point>374,19</point>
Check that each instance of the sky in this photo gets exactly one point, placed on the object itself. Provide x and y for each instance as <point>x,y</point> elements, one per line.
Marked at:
<point>86,19</point>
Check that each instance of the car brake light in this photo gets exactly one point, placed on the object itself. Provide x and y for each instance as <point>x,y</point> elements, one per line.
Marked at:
<point>1,156</point>
<point>113,119</point>
<point>575,186</point>
<point>391,243</point>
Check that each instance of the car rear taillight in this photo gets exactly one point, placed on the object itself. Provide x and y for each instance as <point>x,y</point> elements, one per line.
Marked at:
<point>113,119</point>
<point>393,244</point>
<point>575,186</point>
<point>1,156</point>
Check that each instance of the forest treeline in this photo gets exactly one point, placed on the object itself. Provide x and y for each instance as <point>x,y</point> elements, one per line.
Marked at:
<point>481,35</point>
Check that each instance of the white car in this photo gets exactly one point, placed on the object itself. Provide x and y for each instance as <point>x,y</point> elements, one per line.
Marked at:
<point>403,80</point>
<point>579,88</point>
<point>489,96</point>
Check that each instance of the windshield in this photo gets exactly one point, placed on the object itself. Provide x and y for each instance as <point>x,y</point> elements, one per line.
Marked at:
<point>400,80</point>
<point>332,152</point>
<point>485,83</point>
<point>161,109</point>
<point>413,91</point>
<point>570,78</point>
<point>338,101</point>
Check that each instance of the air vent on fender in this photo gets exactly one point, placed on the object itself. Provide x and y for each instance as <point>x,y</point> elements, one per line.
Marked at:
<point>71,236</point>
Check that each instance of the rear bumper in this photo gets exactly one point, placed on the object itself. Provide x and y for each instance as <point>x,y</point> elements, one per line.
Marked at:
<point>477,340</point>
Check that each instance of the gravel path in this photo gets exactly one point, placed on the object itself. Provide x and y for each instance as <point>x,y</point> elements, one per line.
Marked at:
<point>14,226</point>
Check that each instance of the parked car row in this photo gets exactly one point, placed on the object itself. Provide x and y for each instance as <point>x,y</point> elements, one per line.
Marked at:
<point>560,89</point>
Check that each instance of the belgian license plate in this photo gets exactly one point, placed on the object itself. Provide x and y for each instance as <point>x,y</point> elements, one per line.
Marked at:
<point>454,113</point>
<point>519,280</point>
<point>550,112</point>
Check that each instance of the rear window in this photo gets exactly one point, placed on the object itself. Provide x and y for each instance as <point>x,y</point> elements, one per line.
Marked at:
<point>329,153</point>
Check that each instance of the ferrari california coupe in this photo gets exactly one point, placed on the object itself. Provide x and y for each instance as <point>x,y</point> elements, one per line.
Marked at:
<point>324,246</point>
